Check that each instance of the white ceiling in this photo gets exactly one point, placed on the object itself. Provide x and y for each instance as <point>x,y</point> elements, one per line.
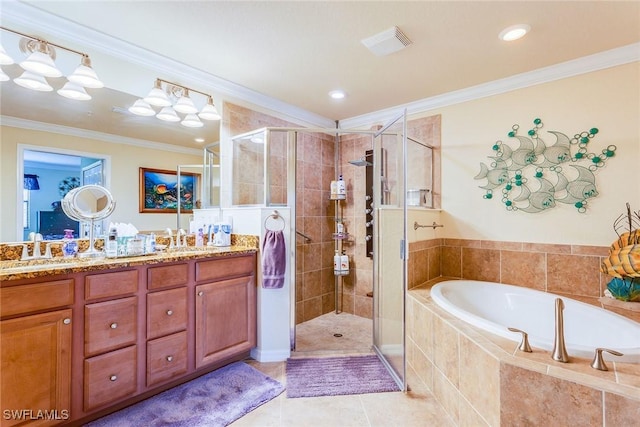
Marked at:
<point>291,54</point>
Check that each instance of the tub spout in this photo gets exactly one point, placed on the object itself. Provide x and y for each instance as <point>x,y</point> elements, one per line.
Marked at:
<point>559,349</point>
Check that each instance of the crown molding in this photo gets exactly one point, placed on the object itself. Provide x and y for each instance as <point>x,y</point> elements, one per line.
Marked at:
<point>22,14</point>
<point>587,64</point>
<point>101,136</point>
<point>29,16</point>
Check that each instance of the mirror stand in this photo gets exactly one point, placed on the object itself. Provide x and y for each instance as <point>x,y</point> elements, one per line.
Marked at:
<point>91,251</point>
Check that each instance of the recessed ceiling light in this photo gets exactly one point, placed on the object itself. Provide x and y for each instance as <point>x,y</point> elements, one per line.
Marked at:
<point>514,32</point>
<point>337,94</point>
<point>199,140</point>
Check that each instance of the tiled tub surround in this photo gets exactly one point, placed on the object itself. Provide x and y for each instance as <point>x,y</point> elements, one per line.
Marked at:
<point>483,380</point>
<point>566,270</point>
<point>480,378</point>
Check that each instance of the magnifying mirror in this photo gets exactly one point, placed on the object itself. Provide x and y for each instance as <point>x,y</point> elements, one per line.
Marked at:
<point>89,203</point>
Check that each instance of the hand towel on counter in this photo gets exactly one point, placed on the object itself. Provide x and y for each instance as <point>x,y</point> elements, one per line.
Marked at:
<point>274,260</point>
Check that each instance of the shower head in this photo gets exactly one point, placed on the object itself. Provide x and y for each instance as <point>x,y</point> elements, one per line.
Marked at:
<point>360,162</point>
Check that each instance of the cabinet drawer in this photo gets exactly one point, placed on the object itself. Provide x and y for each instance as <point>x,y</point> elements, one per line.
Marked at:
<point>110,284</point>
<point>167,276</point>
<point>109,325</point>
<point>109,377</point>
<point>35,297</point>
<point>166,358</point>
<point>166,312</point>
<point>225,267</point>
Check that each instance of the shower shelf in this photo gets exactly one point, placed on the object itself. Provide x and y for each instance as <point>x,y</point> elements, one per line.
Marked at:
<point>338,197</point>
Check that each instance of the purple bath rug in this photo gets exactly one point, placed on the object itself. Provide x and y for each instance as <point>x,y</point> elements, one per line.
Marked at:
<point>333,376</point>
<point>215,400</point>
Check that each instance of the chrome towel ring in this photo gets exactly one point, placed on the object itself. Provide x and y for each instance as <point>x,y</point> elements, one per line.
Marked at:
<point>277,219</point>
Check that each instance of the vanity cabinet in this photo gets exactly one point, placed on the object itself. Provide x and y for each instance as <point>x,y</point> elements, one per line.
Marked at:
<point>167,322</point>
<point>137,330</point>
<point>35,351</point>
<point>110,336</point>
<point>225,309</point>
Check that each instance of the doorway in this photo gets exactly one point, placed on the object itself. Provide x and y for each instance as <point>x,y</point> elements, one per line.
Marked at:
<point>56,173</point>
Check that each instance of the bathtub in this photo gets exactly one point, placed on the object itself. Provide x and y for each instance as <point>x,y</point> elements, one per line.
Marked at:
<point>494,307</point>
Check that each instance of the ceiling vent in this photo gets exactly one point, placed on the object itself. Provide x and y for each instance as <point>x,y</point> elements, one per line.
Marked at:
<point>387,42</point>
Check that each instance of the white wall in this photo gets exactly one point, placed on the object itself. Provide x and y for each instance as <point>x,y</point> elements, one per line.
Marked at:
<point>607,99</point>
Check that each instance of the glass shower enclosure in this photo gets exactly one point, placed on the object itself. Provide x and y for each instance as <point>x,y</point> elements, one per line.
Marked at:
<point>264,175</point>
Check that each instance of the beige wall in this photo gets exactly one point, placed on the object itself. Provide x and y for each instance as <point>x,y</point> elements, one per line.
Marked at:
<point>607,99</point>
<point>124,159</point>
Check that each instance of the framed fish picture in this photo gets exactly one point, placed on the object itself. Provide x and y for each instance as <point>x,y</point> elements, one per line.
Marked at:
<point>160,193</point>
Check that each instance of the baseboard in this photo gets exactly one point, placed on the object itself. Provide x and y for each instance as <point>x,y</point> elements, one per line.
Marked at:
<point>270,356</point>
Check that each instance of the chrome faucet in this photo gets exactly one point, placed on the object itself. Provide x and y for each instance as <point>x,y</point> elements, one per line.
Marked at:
<point>559,350</point>
<point>179,242</point>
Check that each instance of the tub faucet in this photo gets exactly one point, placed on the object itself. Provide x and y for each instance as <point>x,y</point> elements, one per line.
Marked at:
<point>559,349</point>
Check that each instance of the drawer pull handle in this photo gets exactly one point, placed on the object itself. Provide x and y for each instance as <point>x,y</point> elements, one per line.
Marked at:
<point>113,378</point>
<point>113,325</point>
<point>200,293</point>
<point>169,312</point>
<point>169,358</point>
<point>66,321</point>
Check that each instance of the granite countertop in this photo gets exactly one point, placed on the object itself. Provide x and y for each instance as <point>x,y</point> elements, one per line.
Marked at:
<point>15,270</point>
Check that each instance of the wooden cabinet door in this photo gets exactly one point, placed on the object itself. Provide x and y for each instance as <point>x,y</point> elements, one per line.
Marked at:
<point>36,367</point>
<point>225,319</point>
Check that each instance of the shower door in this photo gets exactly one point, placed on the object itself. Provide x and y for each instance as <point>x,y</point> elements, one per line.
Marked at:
<point>390,246</point>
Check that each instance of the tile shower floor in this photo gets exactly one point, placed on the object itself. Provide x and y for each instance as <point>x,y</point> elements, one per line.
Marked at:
<point>416,408</point>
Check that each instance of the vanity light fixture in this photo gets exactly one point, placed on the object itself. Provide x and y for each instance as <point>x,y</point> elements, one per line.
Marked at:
<point>33,81</point>
<point>74,91</point>
<point>192,121</point>
<point>142,108</point>
<point>40,64</point>
<point>514,32</point>
<point>174,99</point>
<point>168,114</point>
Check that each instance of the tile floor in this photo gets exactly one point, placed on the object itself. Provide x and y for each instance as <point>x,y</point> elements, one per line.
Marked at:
<point>417,407</point>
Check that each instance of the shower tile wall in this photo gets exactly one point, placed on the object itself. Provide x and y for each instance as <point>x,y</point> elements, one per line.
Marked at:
<point>359,281</point>
<point>315,285</point>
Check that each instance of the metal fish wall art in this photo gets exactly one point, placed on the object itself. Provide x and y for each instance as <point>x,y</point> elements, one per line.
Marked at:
<point>531,174</point>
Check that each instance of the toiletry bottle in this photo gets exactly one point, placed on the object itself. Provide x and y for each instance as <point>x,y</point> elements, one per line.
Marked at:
<point>342,187</point>
<point>69,246</point>
<point>334,188</point>
<point>151,243</point>
<point>340,227</point>
<point>344,263</point>
<point>336,263</point>
<point>200,238</point>
<point>111,246</point>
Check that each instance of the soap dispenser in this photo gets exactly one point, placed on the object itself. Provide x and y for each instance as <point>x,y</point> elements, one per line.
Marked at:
<point>69,246</point>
